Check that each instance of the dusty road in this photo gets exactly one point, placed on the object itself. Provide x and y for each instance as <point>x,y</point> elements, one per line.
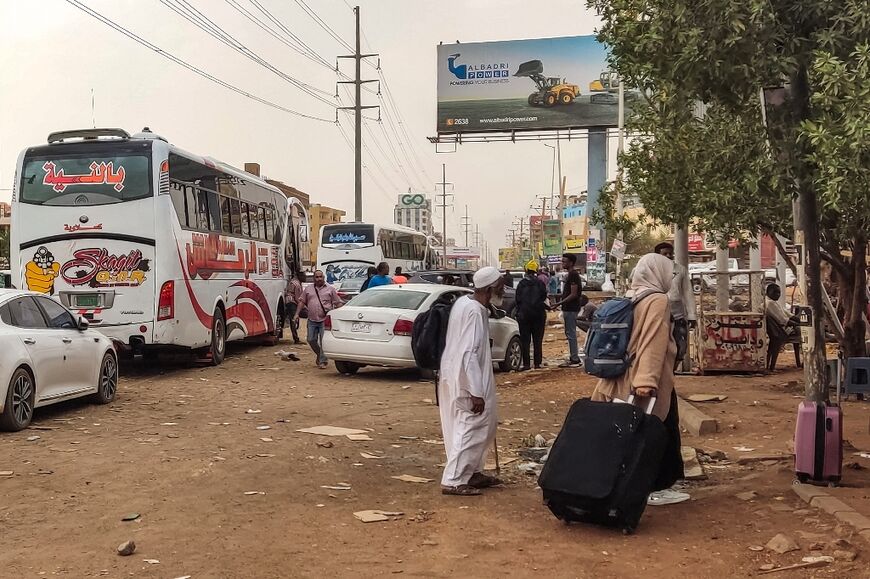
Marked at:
<point>179,448</point>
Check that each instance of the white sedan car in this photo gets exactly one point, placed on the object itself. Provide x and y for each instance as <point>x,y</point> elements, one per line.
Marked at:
<point>374,328</point>
<point>47,355</point>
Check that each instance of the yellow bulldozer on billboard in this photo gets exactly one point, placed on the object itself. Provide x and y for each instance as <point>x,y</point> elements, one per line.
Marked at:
<point>551,90</point>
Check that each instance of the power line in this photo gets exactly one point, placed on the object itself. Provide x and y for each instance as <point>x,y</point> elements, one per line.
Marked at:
<point>401,121</point>
<point>198,19</point>
<point>265,27</point>
<point>286,30</point>
<point>117,27</point>
<point>314,16</point>
<point>365,167</point>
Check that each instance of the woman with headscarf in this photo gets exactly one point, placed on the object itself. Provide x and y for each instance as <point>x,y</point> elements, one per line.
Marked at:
<point>653,351</point>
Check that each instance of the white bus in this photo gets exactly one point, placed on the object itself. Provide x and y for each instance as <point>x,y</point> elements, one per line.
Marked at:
<point>347,250</point>
<point>155,246</point>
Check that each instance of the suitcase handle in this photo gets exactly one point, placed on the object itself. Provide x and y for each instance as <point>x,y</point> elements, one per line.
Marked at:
<point>649,406</point>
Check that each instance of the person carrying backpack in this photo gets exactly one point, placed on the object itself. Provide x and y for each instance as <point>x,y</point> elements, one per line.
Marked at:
<point>651,353</point>
<point>531,300</point>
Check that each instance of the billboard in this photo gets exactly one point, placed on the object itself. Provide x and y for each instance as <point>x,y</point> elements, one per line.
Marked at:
<point>552,237</point>
<point>520,85</point>
<point>412,200</point>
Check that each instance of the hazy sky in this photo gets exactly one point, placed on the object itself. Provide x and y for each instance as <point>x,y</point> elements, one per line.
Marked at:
<point>52,55</point>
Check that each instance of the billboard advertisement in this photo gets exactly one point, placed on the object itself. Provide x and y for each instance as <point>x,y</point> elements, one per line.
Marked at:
<point>520,85</point>
<point>552,237</point>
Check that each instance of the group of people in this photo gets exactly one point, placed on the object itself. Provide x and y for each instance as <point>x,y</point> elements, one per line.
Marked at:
<point>466,386</point>
<point>534,299</point>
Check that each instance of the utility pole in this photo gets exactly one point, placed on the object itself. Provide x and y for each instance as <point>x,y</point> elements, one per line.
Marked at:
<point>444,195</point>
<point>358,109</point>
<point>466,225</point>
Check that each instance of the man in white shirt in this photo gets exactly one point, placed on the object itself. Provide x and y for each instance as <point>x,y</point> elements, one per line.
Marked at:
<point>466,388</point>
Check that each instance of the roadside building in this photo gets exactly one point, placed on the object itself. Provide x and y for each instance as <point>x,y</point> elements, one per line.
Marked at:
<point>414,210</point>
<point>318,216</point>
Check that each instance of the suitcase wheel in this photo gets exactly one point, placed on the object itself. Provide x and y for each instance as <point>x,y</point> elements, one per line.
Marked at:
<point>803,478</point>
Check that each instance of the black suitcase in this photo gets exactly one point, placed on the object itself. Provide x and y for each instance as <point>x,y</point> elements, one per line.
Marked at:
<point>604,464</point>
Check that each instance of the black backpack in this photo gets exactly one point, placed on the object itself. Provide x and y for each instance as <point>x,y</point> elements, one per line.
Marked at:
<point>430,333</point>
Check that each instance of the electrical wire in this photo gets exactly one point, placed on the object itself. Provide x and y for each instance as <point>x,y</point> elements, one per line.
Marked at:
<point>198,19</point>
<point>118,28</point>
<point>281,26</point>
<point>314,16</point>
<point>365,167</point>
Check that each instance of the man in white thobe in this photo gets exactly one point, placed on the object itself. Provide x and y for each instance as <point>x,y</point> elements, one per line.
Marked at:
<point>466,388</point>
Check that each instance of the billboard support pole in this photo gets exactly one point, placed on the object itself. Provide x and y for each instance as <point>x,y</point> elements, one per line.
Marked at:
<point>596,178</point>
<point>620,147</point>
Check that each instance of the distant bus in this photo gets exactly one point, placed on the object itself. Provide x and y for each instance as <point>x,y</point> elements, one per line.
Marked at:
<point>155,246</point>
<point>347,250</point>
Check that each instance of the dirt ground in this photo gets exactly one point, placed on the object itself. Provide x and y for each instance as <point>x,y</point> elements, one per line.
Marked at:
<point>180,448</point>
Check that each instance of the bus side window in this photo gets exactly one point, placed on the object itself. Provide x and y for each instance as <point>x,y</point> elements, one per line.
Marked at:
<point>176,193</point>
<point>210,203</point>
<point>246,224</point>
<point>235,217</point>
<point>263,226</point>
<point>270,224</point>
<point>254,221</point>
<point>190,207</point>
<point>226,221</point>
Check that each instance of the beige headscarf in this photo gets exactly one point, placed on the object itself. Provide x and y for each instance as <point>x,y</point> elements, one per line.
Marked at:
<point>653,273</point>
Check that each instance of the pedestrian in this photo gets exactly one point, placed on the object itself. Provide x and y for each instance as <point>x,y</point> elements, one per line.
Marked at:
<point>318,300</point>
<point>653,349</point>
<point>570,304</point>
<point>382,277</point>
<point>553,286</point>
<point>292,298</point>
<point>399,277</point>
<point>682,301</point>
<point>466,388</point>
<point>508,278</point>
<point>544,276</point>
<point>531,300</point>
<point>370,273</point>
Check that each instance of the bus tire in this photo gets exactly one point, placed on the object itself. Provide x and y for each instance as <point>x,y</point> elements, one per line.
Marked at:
<point>218,348</point>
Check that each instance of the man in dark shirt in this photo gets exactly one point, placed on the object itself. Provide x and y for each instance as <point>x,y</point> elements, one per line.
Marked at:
<point>570,304</point>
<point>508,278</point>
<point>531,300</point>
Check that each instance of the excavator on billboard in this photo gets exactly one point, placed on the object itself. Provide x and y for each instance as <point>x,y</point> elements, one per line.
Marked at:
<point>551,90</point>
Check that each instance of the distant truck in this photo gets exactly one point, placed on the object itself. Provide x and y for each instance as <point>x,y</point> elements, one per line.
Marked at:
<point>551,90</point>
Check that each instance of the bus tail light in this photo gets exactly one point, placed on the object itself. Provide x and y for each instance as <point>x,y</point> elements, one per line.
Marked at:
<point>327,324</point>
<point>166,304</point>
<point>403,328</point>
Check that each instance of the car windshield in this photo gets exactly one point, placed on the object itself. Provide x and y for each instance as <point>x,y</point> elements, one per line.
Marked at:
<point>401,300</point>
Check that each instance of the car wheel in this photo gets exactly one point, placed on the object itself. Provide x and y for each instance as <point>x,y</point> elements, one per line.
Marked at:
<point>107,383</point>
<point>513,358</point>
<point>348,368</point>
<point>218,347</point>
<point>18,411</point>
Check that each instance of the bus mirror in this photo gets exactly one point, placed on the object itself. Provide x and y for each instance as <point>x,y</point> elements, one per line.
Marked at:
<point>303,233</point>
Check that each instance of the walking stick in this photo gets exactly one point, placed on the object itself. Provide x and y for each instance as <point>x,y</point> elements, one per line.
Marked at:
<point>497,465</point>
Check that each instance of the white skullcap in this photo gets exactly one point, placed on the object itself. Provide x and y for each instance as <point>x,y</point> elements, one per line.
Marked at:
<point>485,277</point>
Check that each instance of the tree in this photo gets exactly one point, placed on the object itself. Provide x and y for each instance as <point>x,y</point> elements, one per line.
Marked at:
<point>705,153</point>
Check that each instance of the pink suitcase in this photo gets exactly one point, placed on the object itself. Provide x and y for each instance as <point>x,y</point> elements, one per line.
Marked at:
<point>818,443</point>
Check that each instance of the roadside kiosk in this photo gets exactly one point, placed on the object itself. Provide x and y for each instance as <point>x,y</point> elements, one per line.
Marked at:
<point>731,335</point>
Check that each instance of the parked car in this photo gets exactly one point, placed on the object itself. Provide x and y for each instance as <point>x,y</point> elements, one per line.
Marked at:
<point>463,278</point>
<point>47,355</point>
<point>374,328</point>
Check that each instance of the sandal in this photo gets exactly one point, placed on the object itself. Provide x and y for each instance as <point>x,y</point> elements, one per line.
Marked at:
<point>484,481</point>
<point>461,491</point>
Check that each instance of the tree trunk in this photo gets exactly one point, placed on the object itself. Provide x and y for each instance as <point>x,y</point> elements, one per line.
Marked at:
<point>853,299</point>
<point>815,374</point>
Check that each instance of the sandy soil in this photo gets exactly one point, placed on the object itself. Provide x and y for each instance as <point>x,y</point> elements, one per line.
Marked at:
<point>179,448</point>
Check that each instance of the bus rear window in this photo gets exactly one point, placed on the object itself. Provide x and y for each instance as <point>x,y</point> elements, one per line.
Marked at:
<point>85,180</point>
<point>355,235</point>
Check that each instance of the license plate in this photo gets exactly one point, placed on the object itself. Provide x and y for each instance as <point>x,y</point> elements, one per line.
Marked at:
<point>87,300</point>
<point>361,327</point>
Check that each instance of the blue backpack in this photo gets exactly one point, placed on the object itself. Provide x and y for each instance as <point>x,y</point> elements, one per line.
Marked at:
<point>606,350</point>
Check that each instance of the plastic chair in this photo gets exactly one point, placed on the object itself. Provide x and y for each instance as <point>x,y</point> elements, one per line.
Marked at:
<point>857,377</point>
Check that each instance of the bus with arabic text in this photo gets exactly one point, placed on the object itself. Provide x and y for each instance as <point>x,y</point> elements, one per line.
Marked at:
<point>155,246</point>
<point>347,250</point>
